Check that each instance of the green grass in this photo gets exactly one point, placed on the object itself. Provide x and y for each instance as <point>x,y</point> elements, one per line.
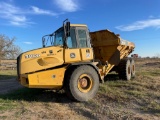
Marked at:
<point>7,74</point>
<point>116,99</point>
<point>151,73</point>
<point>142,91</point>
<point>130,94</point>
<point>6,104</point>
<point>12,100</point>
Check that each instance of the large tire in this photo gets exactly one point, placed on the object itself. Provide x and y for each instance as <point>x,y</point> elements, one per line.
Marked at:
<point>133,68</point>
<point>124,69</point>
<point>82,84</point>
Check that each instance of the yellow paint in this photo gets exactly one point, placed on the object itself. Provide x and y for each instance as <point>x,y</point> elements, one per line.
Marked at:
<point>44,79</point>
<point>78,25</point>
<point>37,67</point>
<point>106,45</point>
<point>45,59</point>
<point>72,55</point>
<point>88,81</point>
<point>81,54</point>
<point>86,54</point>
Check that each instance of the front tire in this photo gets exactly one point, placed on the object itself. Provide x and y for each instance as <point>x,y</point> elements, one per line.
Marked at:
<point>83,83</point>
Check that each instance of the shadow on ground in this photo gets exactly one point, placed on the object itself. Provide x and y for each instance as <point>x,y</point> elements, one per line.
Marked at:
<point>39,95</point>
<point>3,77</point>
<point>111,77</point>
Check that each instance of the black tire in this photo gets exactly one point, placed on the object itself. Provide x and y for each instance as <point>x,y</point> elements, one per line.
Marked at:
<point>124,69</point>
<point>133,72</point>
<point>82,84</point>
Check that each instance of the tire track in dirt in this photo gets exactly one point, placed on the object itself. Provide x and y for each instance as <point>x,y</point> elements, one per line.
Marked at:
<point>9,85</point>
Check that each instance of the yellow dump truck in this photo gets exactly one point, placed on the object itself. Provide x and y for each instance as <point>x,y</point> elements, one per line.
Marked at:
<point>76,60</point>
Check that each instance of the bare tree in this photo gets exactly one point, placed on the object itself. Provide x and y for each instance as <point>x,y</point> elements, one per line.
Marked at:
<point>8,50</point>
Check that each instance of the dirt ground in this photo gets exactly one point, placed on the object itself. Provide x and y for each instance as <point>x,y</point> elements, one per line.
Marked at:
<point>138,99</point>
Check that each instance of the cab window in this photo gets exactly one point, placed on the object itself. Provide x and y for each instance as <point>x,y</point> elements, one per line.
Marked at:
<point>82,38</point>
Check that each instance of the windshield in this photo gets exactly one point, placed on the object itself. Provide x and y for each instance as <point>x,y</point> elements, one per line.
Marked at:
<point>54,39</point>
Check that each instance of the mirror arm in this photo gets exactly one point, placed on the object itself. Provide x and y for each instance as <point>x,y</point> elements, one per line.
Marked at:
<point>66,27</point>
<point>43,40</point>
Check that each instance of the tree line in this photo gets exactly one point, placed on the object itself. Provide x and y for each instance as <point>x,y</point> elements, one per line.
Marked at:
<point>8,49</point>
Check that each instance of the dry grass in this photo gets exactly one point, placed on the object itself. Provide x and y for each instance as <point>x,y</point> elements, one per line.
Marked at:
<point>7,74</point>
<point>138,99</point>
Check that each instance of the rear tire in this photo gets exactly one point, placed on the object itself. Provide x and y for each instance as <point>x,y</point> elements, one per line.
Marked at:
<point>124,69</point>
<point>82,84</point>
<point>132,68</point>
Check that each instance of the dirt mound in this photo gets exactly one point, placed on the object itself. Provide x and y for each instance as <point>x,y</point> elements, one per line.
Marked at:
<point>155,64</point>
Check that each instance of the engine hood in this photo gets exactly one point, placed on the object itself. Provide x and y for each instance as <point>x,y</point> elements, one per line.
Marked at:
<point>40,59</point>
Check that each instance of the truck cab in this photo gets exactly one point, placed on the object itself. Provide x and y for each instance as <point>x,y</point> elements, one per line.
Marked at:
<point>76,45</point>
<point>45,67</point>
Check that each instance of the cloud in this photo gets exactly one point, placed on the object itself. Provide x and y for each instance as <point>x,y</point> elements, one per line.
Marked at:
<point>67,5</point>
<point>140,25</point>
<point>37,10</point>
<point>28,43</point>
<point>17,16</point>
<point>6,8</point>
<point>12,14</point>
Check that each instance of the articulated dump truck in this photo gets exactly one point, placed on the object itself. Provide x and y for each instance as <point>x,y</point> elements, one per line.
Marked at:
<point>76,60</point>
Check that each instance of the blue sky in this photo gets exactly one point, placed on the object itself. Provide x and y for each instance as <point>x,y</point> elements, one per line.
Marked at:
<point>135,20</point>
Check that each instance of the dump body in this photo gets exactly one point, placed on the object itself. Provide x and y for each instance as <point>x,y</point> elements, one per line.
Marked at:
<point>109,48</point>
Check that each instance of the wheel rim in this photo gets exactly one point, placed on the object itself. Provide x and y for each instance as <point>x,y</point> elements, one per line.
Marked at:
<point>133,68</point>
<point>85,83</point>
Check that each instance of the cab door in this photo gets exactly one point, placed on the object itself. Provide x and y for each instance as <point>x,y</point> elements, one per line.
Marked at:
<point>79,48</point>
<point>83,41</point>
<point>72,52</point>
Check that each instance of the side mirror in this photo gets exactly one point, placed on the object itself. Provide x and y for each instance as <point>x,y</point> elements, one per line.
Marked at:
<point>67,27</point>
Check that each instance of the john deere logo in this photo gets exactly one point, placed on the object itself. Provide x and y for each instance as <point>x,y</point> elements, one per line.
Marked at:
<point>72,55</point>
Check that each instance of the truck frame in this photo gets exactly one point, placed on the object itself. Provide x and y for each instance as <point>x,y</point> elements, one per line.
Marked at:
<point>76,60</point>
